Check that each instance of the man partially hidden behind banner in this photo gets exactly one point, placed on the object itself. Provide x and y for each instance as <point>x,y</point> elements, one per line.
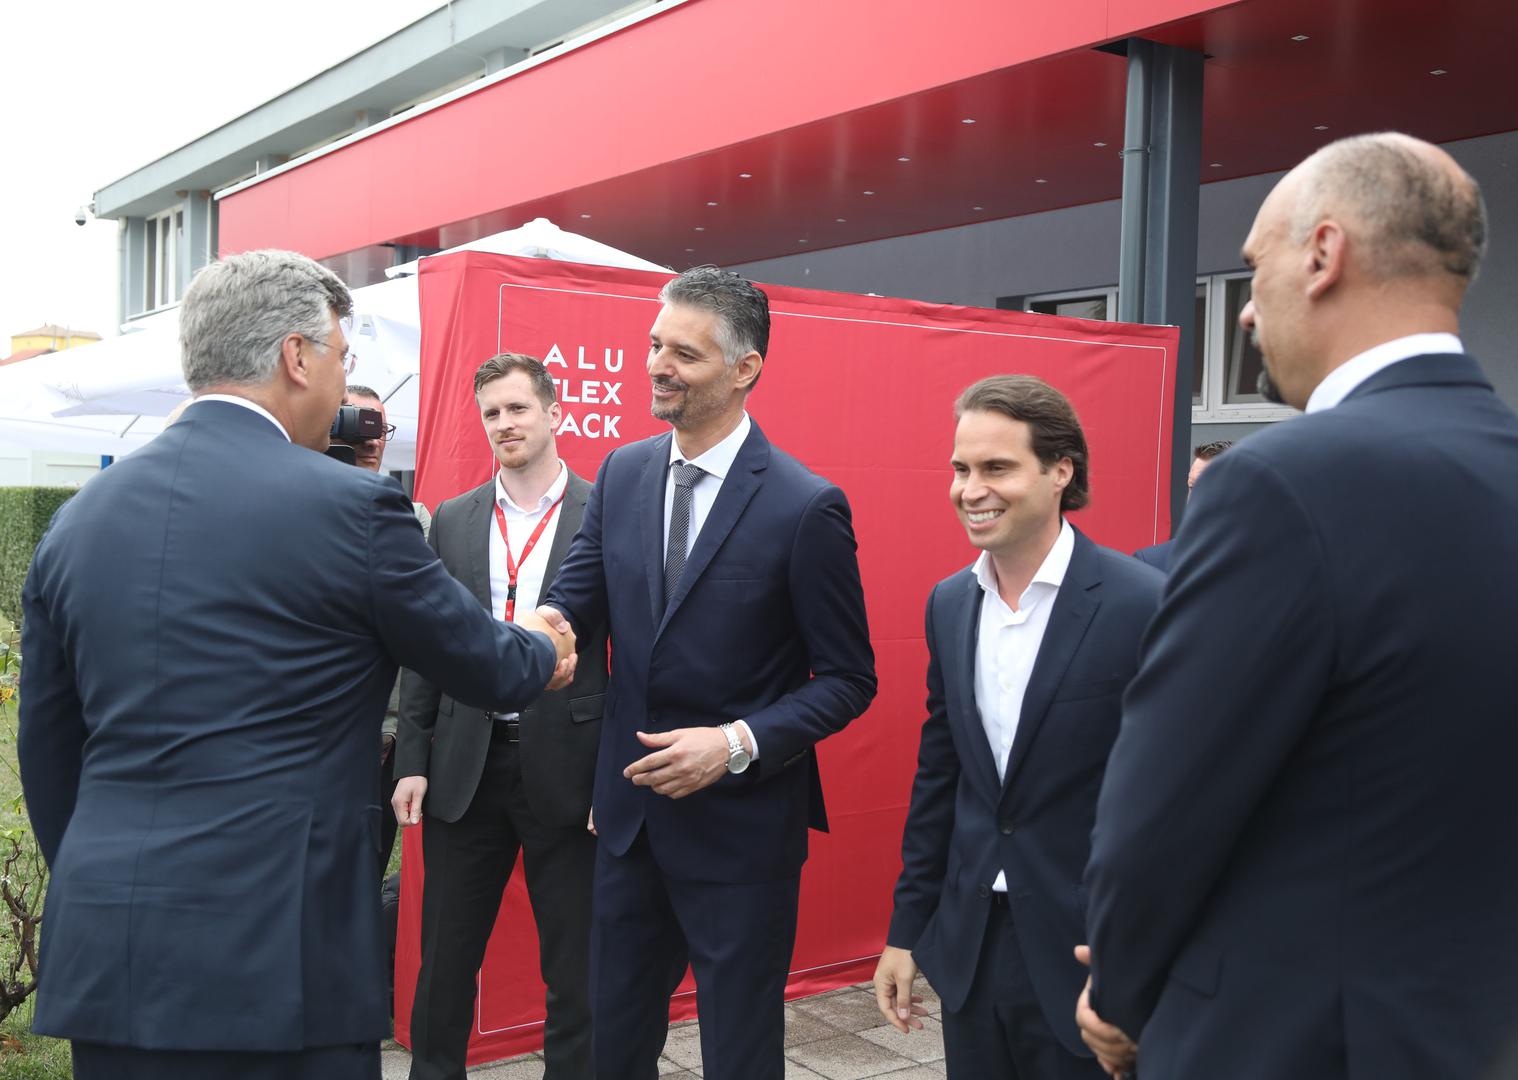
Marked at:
<point>1303,857</point>
<point>727,574</point>
<point>1029,651</point>
<point>499,784</point>
<point>212,628</point>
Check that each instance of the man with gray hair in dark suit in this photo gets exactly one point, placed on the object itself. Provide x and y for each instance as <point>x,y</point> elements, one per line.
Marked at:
<point>198,760</point>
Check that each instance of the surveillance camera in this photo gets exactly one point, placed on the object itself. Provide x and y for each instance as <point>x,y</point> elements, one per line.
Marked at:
<point>81,216</point>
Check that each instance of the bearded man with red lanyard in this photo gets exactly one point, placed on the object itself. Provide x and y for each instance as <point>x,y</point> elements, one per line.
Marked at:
<point>489,785</point>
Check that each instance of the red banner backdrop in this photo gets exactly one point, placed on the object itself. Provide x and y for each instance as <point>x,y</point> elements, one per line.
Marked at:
<point>861,389</point>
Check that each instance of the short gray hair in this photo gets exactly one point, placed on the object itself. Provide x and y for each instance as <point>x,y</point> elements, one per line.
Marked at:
<point>741,307</point>
<point>238,310</point>
<point>1418,215</point>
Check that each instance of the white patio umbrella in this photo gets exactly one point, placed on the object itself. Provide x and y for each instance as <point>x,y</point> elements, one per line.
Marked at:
<point>541,239</point>
<point>111,397</point>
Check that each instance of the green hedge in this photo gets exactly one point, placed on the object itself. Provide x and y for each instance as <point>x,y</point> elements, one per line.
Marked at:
<point>24,514</point>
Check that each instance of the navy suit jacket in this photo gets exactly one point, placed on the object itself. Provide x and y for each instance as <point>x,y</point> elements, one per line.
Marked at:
<point>767,625</point>
<point>1303,856</point>
<point>964,826</point>
<point>211,632</point>
<point>1157,556</point>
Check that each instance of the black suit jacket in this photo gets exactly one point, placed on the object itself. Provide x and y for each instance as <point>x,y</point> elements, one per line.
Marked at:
<point>964,826</point>
<point>212,627</point>
<point>446,740</point>
<point>1303,857</point>
<point>767,625</point>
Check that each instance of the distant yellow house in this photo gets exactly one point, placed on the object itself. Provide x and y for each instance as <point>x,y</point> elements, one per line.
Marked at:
<point>50,338</point>
<point>23,467</point>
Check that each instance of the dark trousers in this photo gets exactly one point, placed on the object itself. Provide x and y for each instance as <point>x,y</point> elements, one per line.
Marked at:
<point>738,939</point>
<point>468,864</point>
<point>93,1061</point>
<point>1002,1033</point>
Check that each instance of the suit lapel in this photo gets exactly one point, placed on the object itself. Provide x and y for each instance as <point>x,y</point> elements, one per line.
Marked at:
<point>959,666</point>
<point>571,512</point>
<point>743,479</point>
<point>651,510</point>
<point>479,519</point>
<point>1074,607</point>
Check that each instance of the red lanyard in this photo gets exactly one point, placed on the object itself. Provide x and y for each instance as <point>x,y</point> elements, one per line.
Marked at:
<point>512,566</point>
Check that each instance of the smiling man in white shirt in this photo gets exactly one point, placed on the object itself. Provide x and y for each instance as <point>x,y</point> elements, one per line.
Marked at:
<point>1029,651</point>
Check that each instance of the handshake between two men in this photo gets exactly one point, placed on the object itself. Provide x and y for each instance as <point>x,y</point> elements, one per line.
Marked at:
<point>406,801</point>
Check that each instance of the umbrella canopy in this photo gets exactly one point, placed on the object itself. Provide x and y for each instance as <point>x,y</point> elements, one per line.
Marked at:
<point>541,239</point>
<point>112,396</point>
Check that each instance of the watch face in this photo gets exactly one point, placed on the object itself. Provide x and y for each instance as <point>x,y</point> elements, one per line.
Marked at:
<point>738,761</point>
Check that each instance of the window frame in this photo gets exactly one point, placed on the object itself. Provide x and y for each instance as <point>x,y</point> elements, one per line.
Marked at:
<point>1214,409</point>
<point>160,258</point>
<point>1208,405</point>
<point>1107,291</point>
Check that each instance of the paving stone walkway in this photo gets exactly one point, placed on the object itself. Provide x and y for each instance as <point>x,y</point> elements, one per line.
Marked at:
<point>835,1036</point>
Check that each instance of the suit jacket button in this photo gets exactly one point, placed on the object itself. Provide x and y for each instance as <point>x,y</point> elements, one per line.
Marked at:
<point>984,891</point>
<point>1008,828</point>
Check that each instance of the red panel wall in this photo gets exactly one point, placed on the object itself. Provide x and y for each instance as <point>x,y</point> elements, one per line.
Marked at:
<point>859,388</point>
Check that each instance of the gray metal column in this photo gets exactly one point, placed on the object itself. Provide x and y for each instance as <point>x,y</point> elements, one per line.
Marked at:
<point>1162,167</point>
<point>133,262</point>
<point>198,246</point>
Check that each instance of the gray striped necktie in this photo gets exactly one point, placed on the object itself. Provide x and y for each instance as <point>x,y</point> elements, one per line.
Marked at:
<point>686,476</point>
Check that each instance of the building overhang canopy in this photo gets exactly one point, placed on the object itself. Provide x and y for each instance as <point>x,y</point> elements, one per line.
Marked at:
<point>723,131</point>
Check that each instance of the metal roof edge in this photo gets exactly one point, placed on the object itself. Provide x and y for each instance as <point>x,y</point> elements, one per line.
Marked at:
<point>475,87</point>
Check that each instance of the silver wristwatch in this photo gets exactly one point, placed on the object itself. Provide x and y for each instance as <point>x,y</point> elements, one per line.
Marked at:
<point>737,757</point>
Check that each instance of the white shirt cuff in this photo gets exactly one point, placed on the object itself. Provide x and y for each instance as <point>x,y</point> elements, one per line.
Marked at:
<point>751,740</point>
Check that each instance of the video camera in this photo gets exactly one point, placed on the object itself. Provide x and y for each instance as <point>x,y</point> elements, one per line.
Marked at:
<point>353,424</point>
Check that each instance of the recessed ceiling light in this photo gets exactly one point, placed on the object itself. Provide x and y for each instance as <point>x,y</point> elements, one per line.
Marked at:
<point>1098,144</point>
<point>1299,37</point>
<point>977,208</point>
<point>968,120</point>
<point>903,158</point>
<point>690,249</point>
<point>1320,127</point>
<point>745,176</point>
<point>700,228</point>
<point>1216,165</point>
<point>869,193</point>
<point>840,220</point>
<point>802,240</point>
<point>711,204</point>
<point>1040,181</point>
<point>585,216</point>
<point>1438,71</point>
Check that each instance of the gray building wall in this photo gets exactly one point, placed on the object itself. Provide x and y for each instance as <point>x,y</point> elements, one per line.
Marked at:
<point>1077,248</point>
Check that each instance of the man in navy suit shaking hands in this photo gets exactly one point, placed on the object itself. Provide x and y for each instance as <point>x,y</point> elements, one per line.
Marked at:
<point>1302,863</point>
<point>727,574</point>
<point>212,628</point>
<point>1029,650</point>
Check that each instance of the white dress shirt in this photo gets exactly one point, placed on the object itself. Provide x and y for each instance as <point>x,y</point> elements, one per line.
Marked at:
<point>1336,386</point>
<point>1008,645</point>
<point>716,463</point>
<point>246,404</point>
<point>520,522</point>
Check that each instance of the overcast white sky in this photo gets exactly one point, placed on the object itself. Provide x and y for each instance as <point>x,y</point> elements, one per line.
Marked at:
<point>93,89</point>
